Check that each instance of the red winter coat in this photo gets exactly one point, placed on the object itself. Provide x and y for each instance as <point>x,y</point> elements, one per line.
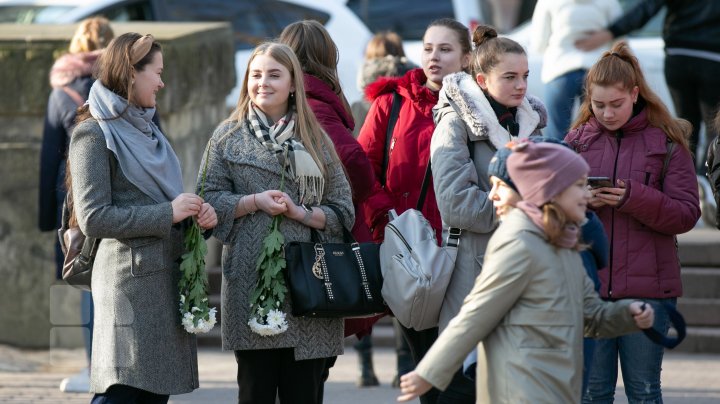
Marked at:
<point>409,149</point>
<point>642,228</point>
<point>339,124</point>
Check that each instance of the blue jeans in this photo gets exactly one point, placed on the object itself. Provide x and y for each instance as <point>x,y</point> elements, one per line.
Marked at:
<point>640,360</point>
<point>87,311</point>
<point>560,95</point>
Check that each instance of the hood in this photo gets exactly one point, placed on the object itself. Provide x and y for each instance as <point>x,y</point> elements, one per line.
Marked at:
<point>70,66</point>
<point>461,94</point>
<point>410,86</point>
<point>388,66</point>
<point>318,91</point>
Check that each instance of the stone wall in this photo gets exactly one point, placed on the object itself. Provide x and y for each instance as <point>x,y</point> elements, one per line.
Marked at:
<point>36,310</point>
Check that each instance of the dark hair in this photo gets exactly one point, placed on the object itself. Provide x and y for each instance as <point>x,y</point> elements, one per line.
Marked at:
<point>384,43</point>
<point>620,67</point>
<point>489,47</point>
<point>316,51</point>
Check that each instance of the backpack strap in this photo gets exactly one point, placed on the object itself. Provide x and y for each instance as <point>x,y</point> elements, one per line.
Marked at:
<point>392,120</point>
<point>670,146</point>
<point>79,99</point>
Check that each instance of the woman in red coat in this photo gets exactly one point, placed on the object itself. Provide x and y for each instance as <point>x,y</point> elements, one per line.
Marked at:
<point>446,50</point>
<point>625,133</point>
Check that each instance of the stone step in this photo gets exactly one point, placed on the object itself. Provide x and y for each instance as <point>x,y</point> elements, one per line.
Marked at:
<point>701,282</point>
<point>698,247</point>
<point>214,278</point>
<point>700,312</point>
<point>701,340</point>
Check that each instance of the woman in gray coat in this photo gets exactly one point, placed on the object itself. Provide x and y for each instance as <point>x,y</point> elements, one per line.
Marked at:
<point>273,133</point>
<point>127,189</point>
<point>475,116</point>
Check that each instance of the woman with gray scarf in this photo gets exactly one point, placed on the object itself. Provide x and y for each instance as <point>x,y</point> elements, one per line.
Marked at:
<point>127,190</point>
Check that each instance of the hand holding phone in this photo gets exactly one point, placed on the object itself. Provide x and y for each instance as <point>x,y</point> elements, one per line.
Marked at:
<point>600,182</point>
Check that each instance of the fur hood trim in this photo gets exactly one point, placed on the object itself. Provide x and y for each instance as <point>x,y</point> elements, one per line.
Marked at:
<point>461,94</point>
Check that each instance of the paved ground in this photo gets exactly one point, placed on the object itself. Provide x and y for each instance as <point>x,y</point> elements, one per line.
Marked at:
<point>34,376</point>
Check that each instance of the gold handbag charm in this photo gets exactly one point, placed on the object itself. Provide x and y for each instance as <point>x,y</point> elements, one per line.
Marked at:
<point>317,269</point>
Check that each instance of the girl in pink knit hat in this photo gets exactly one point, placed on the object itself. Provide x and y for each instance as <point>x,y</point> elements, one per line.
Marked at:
<point>526,311</point>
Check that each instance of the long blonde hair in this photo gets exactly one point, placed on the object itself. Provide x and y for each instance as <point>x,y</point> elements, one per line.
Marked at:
<point>619,66</point>
<point>91,34</point>
<point>307,128</point>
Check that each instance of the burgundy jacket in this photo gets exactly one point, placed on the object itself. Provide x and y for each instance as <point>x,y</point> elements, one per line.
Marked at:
<point>409,149</point>
<point>338,124</point>
<point>643,260</point>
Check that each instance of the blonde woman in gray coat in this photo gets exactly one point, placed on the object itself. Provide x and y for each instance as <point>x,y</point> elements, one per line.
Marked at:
<point>273,131</point>
<point>475,116</point>
<point>127,189</point>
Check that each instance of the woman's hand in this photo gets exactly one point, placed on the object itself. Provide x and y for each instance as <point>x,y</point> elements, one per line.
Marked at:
<point>207,218</point>
<point>412,386</point>
<point>643,314</point>
<point>185,205</point>
<point>294,211</point>
<point>607,196</point>
<point>270,202</point>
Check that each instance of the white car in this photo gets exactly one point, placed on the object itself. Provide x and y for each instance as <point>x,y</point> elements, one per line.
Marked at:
<point>253,21</point>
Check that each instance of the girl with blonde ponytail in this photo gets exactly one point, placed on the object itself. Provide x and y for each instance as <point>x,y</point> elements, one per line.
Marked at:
<point>626,134</point>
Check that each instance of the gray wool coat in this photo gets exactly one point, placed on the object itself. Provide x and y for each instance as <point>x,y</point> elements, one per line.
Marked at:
<point>238,164</point>
<point>138,340</point>
<point>463,115</point>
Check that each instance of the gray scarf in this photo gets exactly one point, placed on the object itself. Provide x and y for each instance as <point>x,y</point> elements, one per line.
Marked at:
<point>145,156</point>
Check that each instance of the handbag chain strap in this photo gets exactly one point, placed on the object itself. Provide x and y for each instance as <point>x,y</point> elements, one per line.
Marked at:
<point>361,267</point>
<point>320,258</point>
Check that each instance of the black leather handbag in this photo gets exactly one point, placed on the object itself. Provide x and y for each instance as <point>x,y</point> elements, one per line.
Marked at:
<point>335,280</point>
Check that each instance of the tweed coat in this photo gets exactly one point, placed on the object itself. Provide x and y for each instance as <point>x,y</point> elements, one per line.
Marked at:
<point>239,164</point>
<point>464,120</point>
<point>527,310</point>
<point>138,339</point>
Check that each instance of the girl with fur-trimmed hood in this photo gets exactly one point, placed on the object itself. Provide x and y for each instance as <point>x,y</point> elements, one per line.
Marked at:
<point>476,115</point>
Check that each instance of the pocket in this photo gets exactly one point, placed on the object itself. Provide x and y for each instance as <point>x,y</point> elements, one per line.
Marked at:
<point>147,259</point>
<point>548,329</point>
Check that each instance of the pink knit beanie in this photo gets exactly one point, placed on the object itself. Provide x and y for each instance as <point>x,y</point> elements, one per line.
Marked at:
<point>541,171</point>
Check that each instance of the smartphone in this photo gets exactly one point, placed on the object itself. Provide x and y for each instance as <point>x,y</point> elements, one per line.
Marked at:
<point>600,182</point>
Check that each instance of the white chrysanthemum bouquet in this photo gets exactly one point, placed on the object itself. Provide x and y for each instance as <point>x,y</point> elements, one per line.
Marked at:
<point>266,315</point>
<point>197,316</point>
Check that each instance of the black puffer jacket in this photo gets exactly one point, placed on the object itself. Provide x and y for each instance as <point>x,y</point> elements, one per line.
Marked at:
<point>689,24</point>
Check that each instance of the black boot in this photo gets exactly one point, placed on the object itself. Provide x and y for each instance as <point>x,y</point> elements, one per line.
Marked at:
<point>404,358</point>
<point>367,373</point>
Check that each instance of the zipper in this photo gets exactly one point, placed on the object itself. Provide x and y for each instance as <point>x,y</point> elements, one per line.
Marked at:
<point>397,232</point>
<point>618,137</point>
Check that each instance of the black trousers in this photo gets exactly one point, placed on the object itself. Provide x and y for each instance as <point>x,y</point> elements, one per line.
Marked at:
<point>122,394</point>
<point>265,374</point>
<point>693,85</point>
<point>461,390</point>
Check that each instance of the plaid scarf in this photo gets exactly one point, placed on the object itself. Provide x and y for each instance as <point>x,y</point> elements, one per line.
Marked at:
<point>279,137</point>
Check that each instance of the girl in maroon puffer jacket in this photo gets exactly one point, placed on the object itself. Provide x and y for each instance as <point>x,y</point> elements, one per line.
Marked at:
<point>625,133</point>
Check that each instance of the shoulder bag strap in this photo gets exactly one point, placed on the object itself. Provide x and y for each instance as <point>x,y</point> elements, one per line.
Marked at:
<point>670,147</point>
<point>76,97</point>
<point>453,239</point>
<point>392,120</point>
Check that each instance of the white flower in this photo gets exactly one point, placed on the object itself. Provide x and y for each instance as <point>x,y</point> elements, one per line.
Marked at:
<point>274,323</point>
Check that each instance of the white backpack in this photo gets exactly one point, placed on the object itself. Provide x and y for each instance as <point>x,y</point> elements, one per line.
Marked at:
<point>416,271</point>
